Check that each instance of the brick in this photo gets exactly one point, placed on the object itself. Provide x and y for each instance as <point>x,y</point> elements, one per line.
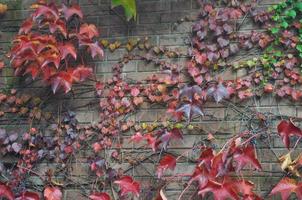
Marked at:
<point>74,194</point>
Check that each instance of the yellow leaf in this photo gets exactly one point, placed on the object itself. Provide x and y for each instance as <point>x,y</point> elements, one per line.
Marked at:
<point>286,161</point>
<point>112,47</point>
<point>105,43</point>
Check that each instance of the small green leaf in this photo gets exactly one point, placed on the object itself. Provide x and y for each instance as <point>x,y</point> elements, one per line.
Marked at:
<point>291,13</point>
<point>278,54</point>
<point>298,6</point>
<point>129,7</point>
<point>276,17</point>
<point>274,30</point>
<point>299,47</point>
<point>284,24</point>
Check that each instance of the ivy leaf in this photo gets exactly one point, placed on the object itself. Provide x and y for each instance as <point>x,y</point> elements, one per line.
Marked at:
<point>26,26</point>
<point>287,129</point>
<point>291,13</point>
<point>73,10</point>
<point>298,6</point>
<point>67,49</point>
<point>244,156</point>
<point>129,7</point>
<point>127,184</point>
<point>81,73</point>
<point>220,190</point>
<point>46,10</point>
<point>167,162</point>
<point>100,196</point>
<point>52,193</point>
<point>299,47</point>
<point>88,31</point>
<point>218,92</point>
<point>6,192</point>
<point>275,30</point>
<point>286,186</point>
<point>223,42</point>
<point>64,80</point>
<point>94,48</point>
<point>28,196</point>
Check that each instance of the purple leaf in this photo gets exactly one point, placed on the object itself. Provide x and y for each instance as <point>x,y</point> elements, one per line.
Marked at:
<point>218,92</point>
<point>223,42</point>
<point>213,56</point>
<point>201,34</point>
<point>13,137</point>
<point>227,28</point>
<point>16,147</point>
<point>234,48</point>
<point>224,53</point>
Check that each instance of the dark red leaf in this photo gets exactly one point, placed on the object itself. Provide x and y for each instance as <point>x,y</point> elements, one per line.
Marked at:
<point>128,185</point>
<point>94,48</point>
<point>46,11</point>
<point>64,80</point>
<point>6,192</point>
<point>67,49</point>
<point>58,25</point>
<point>28,196</point>
<point>286,186</point>
<point>167,162</point>
<point>73,10</point>
<point>100,196</point>
<point>81,73</point>
<point>287,129</point>
<point>246,155</point>
<point>26,26</point>
<point>220,191</point>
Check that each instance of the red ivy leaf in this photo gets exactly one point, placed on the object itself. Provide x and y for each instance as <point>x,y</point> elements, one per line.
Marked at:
<point>5,191</point>
<point>81,73</point>
<point>73,10</point>
<point>127,184</point>
<point>58,25</point>
<point>135,91</point>
<point>246,156</point>
<point>28,196</point>
<point>287,129</point>
<point>67,49</point>
<point>52,193</point>
<point>88,31</point>
<point>286,186</point>
<point>95,49</point>
<point>137,137</point>
<point>64,80</point>
<point>100,196</point>
<point>167,162</point>
<point>220,190</point>
<point>26,26</point>
<point>46,11</point>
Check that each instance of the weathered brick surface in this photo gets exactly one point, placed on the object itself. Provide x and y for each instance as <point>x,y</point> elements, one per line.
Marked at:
<point>157,20</point>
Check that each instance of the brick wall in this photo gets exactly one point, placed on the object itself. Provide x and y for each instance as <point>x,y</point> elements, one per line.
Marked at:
<point>160,21</point>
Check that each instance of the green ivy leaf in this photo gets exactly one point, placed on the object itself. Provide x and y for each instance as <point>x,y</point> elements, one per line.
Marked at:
<point>299,47</point>
<point>291,13</point>
<point>274,30</point>
<point>284,24</point>
<point>129,7</point>
<point>298,6</point>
